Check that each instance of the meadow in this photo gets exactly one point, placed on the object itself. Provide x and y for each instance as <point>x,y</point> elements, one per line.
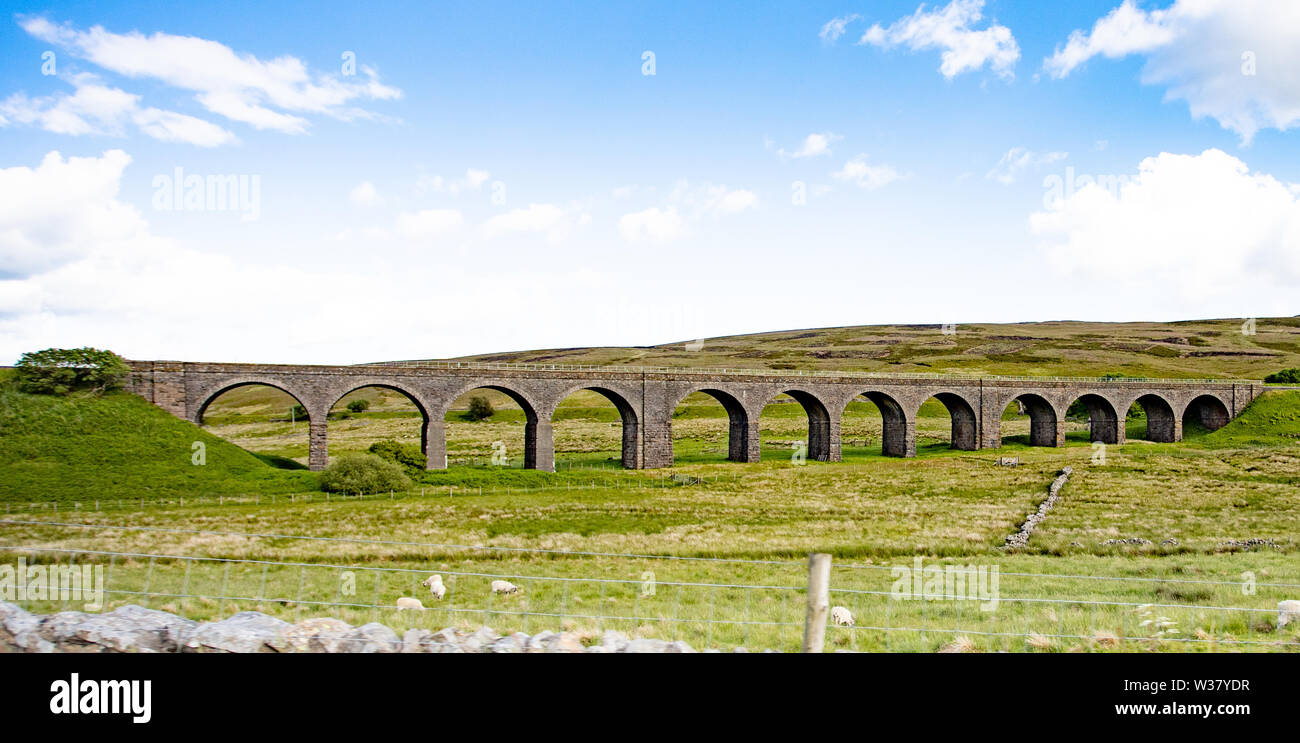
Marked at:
<point>709,551</point>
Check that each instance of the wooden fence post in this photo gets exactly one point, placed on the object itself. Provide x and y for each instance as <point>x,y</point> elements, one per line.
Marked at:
<point>819,602</point>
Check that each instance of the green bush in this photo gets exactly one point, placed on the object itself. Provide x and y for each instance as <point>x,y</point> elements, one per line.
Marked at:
<point>58,371</point>
<point>359,405</point>
<point>1286,376</point>
<point>298,413</point>
<point>363,473</point>
<point>408,456</point>
<point>479,409</point>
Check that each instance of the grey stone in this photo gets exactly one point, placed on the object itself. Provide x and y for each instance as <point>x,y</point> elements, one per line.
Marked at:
<point>372,638</point>
<point>134,629</point>
<point>416,640</point>
<point>20,631</point>
<point>614,640</point>
<point>516,643</point>
<point>478,642</point>
<point>245,632</point>
<point>537,643</point>
<point>318,635</point>
<point>565,642</point>
<point>646,645</point>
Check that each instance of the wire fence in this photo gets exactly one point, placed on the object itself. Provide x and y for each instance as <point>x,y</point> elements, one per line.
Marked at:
<point>708,602</point>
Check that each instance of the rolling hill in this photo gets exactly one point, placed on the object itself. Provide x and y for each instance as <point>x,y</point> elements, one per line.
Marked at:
<point>1194,348</point>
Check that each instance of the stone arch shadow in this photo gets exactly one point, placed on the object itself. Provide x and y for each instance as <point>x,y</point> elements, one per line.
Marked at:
<point>408,394</point>
<point>740,448</point>
<point>539,448</point>
<point>964,434</point>
<point>898,429</point>
<point>209,397</point>
<point>631,443</point>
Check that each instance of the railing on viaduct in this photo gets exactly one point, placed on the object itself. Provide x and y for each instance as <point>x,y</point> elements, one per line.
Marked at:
<point>647,396</point>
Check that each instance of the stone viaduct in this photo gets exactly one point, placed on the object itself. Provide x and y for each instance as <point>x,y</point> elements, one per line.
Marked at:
<point>647,396</point>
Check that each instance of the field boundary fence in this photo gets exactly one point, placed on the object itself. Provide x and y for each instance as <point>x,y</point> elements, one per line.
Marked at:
<point>707,602</point>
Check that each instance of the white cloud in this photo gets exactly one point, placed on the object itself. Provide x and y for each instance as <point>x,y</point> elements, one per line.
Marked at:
<point>429,222</point>
<point>553,221</point>
<point>858,172</point>
<point>700,199</point>
<point>1236,61</point>
<point>652,224</point>
<point>949,29</point>
<point>265,94</point>
<point>1123,31</point>
<point>1017,160</point>
<point>61,210</point>
<point>473,180</point>
<point>687,204</point>
<point>365,194</point>
<point>81,267</point>
<point>1199,225</point>
<point>814,145</point>
<point>96,109</point>
<point>835,27</point>
<point>170,126</point>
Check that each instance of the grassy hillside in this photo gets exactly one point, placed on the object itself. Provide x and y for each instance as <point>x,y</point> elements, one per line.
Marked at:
<point>1197,348</point>
<point>85,448</point>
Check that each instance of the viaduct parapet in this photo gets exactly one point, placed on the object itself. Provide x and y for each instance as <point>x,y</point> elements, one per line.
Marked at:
<point>647,396</point>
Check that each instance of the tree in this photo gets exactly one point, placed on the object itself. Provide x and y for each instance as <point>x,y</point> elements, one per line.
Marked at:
<point>59,371</point>
<point>1286,376</point>
<point>363,473</point>
<point>479,409</point>
<point>359,405</point>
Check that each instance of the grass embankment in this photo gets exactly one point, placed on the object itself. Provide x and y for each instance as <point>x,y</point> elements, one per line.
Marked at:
<point>85,447</point>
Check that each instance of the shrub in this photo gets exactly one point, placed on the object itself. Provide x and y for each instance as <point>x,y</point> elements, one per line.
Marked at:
<point>479,408</point>
<point>363,473</point>
<point>58,371</point>
<point>359,405</point>
<point>298,413</point>
<point>408,456</point>
<point>1286,376</point>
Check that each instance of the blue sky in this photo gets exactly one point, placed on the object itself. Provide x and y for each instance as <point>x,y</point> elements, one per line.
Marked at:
<point>505,176</point>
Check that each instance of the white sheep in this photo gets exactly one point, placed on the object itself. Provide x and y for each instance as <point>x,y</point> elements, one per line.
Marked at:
<point>842,616</point>
<point>406,602</point>
<point>503,586</point>
<point>435,586</point>
<point>1287,612</point>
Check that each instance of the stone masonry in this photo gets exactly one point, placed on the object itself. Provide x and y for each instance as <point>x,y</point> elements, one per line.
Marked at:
<point>646,398</point>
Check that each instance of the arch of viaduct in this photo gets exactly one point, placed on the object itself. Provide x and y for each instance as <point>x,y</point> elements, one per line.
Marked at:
<point>646,399</point>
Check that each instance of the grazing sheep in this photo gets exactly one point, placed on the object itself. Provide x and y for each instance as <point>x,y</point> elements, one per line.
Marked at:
<point>435,586</point>
<point>503,586</point>
<point>1287,612</point>
<point>842,616</point>
<point>406,602</point>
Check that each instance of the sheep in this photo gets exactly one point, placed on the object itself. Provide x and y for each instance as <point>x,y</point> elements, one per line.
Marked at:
<point>406,602</point>
<point>842,616</point>
<point>435,586</point>
<point>503,586</point>
<point>1287,612</point>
